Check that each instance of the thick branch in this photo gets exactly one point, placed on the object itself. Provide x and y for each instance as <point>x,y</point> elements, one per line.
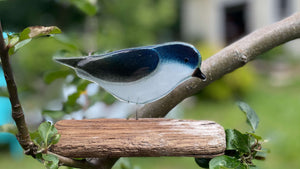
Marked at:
<point>227,60</point>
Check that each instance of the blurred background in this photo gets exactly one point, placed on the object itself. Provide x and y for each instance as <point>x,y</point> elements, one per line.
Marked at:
<point>270,84</point>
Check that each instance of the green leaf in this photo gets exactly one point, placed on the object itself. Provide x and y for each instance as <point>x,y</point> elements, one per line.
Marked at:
<point>203,162</point>
<point>39,157</point>
<point>21,44</point>
<point>235,140</point>
<point>13,39</point>
<point>252,117</point>
<point>36,138</point>
<point>51,161</point>
<point>44,131</point>
<point>71,103</point>
<point>52,76</point>
<point>73,98</point>
<point>87,6</point>
<point>36,31</point>
<point>17,41</point>
<point>223,162</point>
<point>55,139</point>
<point>47,132</point>
<point>25,34</point>
<point>11,50</point>
<point>257,137</point>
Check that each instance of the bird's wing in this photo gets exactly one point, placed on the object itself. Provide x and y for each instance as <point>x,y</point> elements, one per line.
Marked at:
<point>121,66</point>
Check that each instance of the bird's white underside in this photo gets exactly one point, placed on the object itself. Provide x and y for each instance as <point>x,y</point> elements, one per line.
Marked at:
<point>156,85</point>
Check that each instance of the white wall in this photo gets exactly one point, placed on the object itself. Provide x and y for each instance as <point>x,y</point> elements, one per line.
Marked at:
<point>205,19</point>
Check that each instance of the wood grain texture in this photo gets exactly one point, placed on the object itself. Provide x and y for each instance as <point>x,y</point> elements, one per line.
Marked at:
<point>139,138</point>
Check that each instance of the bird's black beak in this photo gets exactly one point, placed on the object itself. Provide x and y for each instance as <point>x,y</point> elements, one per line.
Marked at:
<point>199,74</point>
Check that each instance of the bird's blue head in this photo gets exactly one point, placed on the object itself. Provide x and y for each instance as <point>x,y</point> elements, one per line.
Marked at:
<point>182,53</point>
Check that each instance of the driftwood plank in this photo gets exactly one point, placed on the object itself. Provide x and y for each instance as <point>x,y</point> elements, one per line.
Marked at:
<point>139,138</point>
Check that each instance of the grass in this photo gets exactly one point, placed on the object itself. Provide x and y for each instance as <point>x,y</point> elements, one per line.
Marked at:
<point>277,107</point>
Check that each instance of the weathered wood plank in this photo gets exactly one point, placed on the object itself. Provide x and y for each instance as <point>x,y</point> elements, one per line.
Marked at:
<point>139,138</point>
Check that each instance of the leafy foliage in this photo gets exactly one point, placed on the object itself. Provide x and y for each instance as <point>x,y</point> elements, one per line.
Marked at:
<point>44,137</point>
<point>50,161</point>
<point>226,162</point>
<point>47,134</point>
<point>241,149</point>
<point>235,140</point>
<point>17,40</point>
<point>252,117</point>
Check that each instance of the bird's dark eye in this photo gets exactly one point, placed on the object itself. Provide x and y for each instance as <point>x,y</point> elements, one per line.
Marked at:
<point>186,60</point>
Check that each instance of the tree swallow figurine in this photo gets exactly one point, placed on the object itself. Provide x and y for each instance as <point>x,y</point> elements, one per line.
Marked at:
<point>142,74</point>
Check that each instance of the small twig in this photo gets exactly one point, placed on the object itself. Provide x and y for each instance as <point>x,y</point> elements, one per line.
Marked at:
<point>73,163</point>
<point>17,111</point>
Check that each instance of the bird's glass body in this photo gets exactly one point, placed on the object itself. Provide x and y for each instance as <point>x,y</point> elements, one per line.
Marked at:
<point>139,75</point>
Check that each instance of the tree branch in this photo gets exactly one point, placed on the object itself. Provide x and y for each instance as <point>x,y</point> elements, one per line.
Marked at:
<point>17,111</point>
<point>227,60</point>
<point>73,163</point>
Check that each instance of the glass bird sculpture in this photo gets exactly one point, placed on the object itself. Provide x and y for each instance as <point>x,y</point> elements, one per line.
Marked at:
<point>142,74</point>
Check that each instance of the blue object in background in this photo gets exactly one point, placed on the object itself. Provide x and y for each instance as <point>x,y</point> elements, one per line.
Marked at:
<point>142,74</point>
<point>9,139</point>
<point>4,35</point>
<point>15,148</point>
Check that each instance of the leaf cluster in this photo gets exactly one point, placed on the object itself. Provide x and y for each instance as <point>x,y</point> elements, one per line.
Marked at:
<point>43,138</point>
<point>241,148</point>
<point>15,41</point>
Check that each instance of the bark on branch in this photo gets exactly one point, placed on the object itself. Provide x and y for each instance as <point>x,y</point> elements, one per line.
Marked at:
<point>227,60</point>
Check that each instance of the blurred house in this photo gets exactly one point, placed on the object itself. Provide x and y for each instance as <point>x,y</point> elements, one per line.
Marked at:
<point>221,22</point>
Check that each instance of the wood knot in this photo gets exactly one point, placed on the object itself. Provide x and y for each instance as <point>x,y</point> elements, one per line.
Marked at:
<point>241,57</point>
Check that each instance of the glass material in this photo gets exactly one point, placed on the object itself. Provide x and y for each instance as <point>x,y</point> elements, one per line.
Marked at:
<point>139,75</point>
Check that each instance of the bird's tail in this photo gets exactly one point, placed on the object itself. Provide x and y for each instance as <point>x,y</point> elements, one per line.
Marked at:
<point>69,61</point>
